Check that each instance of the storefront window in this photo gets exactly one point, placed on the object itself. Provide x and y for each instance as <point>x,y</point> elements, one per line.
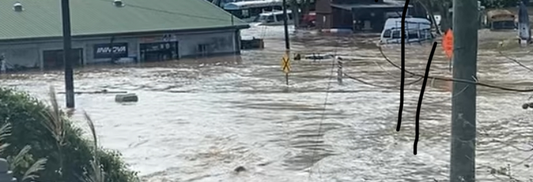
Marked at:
<point>159,51</point>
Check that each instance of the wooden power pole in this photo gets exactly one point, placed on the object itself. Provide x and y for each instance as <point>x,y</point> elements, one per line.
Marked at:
<point>463,139</point>
<point>287,44</point>
<point>67,46</point>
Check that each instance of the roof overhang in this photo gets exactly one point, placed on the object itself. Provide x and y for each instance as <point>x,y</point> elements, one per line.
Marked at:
<point>138,33</point>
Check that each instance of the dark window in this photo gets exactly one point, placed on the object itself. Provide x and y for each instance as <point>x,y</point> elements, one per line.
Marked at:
<point>412,34</point>
<point>202,48</point>
<point>236,13</point>
<point>396,34</point>
<point>269,19</point>
<point>159,51</point>
<point>267,9</point>
<point>279,17</point>
<point>386,34</point>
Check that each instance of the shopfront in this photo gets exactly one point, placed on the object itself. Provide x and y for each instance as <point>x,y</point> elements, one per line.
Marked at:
<point>53,59</point>
<point>159,51</point>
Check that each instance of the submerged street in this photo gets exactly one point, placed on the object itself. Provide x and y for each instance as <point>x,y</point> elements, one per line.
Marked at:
<point>199,120</point>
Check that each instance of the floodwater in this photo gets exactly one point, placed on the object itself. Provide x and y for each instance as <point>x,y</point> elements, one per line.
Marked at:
<point>198,121</point>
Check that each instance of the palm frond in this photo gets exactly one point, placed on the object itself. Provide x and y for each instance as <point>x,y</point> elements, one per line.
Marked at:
<point>19,158</point>
<point>5,131</point>
<point>30,174</point>
<point>54,121</point>
<point>93,130</point>
<point>3,147</point>
<point>97,174</point>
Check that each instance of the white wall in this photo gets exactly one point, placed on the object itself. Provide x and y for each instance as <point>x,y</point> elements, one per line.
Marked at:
<point>30,54</point>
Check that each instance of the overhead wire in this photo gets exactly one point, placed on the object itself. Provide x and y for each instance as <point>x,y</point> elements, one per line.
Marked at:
<point>453,79</point>
<point>322,117</point>
<point>168,12</point>
<point>320,123</point>
<point>512,59</point>
<point>376,85</point>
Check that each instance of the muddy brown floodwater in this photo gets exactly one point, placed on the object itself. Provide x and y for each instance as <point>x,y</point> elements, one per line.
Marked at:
<point>198,121</point>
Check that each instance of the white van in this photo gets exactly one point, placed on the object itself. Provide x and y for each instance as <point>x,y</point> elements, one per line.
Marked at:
<point>416,30</point>
<point>274,18</point>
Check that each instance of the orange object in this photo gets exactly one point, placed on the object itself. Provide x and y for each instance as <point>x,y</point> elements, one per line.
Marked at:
<point>447,43</point>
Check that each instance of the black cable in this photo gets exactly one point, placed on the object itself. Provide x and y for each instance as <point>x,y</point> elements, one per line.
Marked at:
<point>324,108</point>
<point>375,85</point>
<point>454,80</point>
<point>168,12</point>
<point>512,59</point>
<point>381,86</point>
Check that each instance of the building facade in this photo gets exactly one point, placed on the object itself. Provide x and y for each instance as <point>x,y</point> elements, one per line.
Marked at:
<point>361,15</point>
<point>145,41</point>
<point>145,47</point>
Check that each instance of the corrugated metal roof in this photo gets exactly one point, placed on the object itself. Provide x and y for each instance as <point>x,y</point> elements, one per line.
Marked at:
<point>42,18</point>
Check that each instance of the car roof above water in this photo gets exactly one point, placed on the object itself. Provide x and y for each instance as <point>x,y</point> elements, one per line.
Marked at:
<point>410,23</point>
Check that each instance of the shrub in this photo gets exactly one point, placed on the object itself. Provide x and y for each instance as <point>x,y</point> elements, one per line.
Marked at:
<point>31,125</point>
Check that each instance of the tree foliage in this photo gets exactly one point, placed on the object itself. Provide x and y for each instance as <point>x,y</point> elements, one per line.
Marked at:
<point>27,117</point>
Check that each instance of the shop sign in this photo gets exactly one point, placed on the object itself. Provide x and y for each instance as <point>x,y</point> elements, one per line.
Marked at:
<point>115,50</point>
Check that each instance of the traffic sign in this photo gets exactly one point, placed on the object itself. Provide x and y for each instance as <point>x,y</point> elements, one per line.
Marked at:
<point>286,64</point>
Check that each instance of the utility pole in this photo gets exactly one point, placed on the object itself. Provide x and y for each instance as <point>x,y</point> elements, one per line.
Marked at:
<point>67,45</point>
<point>287,45</point>
<point>463,139</point>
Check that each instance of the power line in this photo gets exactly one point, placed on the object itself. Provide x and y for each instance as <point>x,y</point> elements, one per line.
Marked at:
<point>381,86</point>
<point>376,85</point>
<point>452,79</point>
<point>322,117</point>
<point>171,12</point>
<point>512,59</point>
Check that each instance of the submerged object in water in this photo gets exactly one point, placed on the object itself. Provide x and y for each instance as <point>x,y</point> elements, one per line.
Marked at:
<point>131,97</point>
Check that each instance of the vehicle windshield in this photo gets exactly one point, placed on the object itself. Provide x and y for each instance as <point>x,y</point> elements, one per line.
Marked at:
<point>265,18</point>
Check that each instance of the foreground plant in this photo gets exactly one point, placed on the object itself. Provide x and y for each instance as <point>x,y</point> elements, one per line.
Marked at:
<point>22,159</point>
<point>51,135</point>
<point>96,174</point>
<point>55,124</point>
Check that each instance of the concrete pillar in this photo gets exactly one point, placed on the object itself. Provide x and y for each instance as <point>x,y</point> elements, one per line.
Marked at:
<point>5,174</point>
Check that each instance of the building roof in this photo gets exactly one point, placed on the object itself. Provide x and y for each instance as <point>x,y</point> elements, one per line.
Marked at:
<point>42,18</point>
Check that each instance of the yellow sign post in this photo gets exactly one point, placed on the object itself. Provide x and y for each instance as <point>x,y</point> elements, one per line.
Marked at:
<point>286,65</point>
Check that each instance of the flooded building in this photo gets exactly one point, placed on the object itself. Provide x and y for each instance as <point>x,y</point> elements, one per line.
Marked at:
<point>361,15</point>
<point>106,31</point>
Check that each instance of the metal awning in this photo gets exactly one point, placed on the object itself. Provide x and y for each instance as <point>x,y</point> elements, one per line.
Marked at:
<point>349,7</point>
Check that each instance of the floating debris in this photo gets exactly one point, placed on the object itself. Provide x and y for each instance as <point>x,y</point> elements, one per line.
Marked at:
<point>131,97</point>
<point>240,169</point>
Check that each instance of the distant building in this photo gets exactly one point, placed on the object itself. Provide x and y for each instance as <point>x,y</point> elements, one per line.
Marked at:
<point>114,30</point>
<point>360,15</point>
